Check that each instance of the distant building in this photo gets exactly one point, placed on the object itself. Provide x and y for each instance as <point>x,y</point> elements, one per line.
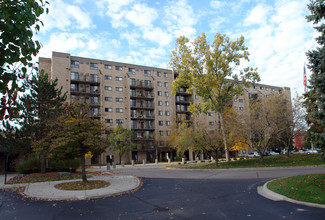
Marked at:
<point>137,97</point>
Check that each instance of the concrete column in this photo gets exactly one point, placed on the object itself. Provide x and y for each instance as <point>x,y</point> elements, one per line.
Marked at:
<point>132,162</point>
<point>169,161</point>
<point>144,162</point>
<point>183,160</point>
<point>190,155</point>
<point>122,163</point>
<point>156,161</point>
<point>197,159</point>
<point>201,155</point>
<point>108,167</point>
<point>114,165</point>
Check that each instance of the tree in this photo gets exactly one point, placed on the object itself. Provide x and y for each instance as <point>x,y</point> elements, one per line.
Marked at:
<point>73,135</point>
<point>212,72</point>
<point>120,141</point>
<point>18,20</point>
<point>316,94</point>
<point>39,107</point>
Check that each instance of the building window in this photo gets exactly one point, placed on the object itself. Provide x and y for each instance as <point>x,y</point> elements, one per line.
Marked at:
<point>132,82</point>
<point>168,133</point>
<point>167,113</point>
<point>118,68</point>
<point>196,97</point>
<point>159,93</point>
<point>160,113</point>
<point>133,102</point>
<point>159,83</point>
<point>261,88</point>
<point>158,74</point>
<point>108,99</point>
<point>166,94</point>
<point>93,66</point>
<point>255,87</point>
<point>241,108</point>
<point>166,84</point>
<point>166,103</point>
<point>119,121</point>
<point>118,78</point>
<point>74,76</point>
<point>119,110</point>
<point>160,123</point>
<point>108,110</point>
<point>131,71</point>
<point>267,88</point>
<point>73,87</point>
<point>166,75</point>
<point>167,123</point>
<point>94,89</point>
<point>241,100</point>
<point>108,88</point>
<point>147,73</point>
<point>106,66</point>
<point>119,99</point>
<point>210,114</point>
<point>94,111</point>
<point>74,64</point>
<point>109,121</point>
<point>147,83</point>
<point>119,89</point>
<point>235,100</point>
<point>280,91</point>
<point>107,77</point>
<point>161,133</point>
<point>93,78</point>
<point>159,103</point>
<point>210,122</point>
<point>272,90</point>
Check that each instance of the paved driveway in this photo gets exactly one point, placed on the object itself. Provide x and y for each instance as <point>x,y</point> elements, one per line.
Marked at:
<point>175,194</point>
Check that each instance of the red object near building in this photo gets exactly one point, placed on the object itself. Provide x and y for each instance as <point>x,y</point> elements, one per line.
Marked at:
<point>299,141</point>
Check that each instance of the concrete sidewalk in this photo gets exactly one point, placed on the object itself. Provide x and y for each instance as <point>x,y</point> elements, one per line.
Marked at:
<point>119,184</point>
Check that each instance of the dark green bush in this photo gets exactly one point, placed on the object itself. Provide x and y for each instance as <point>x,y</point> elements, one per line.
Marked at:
<point>31,165</point>
<point>63,165</point>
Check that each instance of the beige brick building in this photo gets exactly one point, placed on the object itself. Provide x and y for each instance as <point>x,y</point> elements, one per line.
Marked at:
<point>137,97</point>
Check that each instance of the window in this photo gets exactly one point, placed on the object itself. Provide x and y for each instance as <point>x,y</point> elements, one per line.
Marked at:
<point>261,88</point>
<point>160,113</point>
<point>106,66</point>
<point>133,102</point>
<point>272,90</point>
<point>166,84</point>
<point>74,76</point>
<point>109,121</point>
<point>147,72</point>
<point>280,91</point>
<point>118,78</point>
<point>267,88</point>
<point>94,100</point>
<point>255,87</point>
<point>159,93</point>
<point>166,94</point>
<point>158,74</point>
<point>210,114</point>
<point>119,110</point>
<point>147,83</point>
<point>108,110</point>
<point>94,111</point>
<point>210,122</point>
<point>161,133</point>
<point>132,82</point>
<point>131,71</point>
<point>196,97</point>
<point>93,66</point>
<point>241,108</point>
<point>159,103</point>
<point>108,99</point>
<point>166,103</point>
<point>119,99</point>
<point>119,121</point>
<point>94,89</point>
<point>108,88</point>
<point>241,100</point>
<point>118,68</point>
<point>166,75</point>
<point>93,78</point>
<point>74,64</point>
<point>74,87</point>
<point>107,77</point>
<point>159,83</point>
<point>167,113</point>
<point>167,123</point>
<point>160,123</point>
<point>235,100</point>
<point>119,89</point>
<point>168,133</point>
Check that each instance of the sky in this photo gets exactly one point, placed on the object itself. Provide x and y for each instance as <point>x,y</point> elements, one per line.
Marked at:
<point>144,32</point>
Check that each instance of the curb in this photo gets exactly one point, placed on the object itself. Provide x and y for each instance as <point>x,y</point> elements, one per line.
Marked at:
<point>269,194</point>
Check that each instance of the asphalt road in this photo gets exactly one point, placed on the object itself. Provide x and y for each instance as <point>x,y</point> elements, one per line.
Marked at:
<point>175,194</point>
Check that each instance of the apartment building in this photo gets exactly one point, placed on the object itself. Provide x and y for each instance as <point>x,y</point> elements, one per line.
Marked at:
<point>136,97</point>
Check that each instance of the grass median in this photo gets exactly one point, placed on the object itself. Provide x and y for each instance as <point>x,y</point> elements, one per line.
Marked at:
<point>269,161</point>
<point>307,188</point>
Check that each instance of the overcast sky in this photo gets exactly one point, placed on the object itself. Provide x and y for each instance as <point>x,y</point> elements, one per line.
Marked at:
<point>143,32</point>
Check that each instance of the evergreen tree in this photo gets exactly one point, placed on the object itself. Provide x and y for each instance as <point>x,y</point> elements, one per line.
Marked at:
<point>315,97</point>
<point>40,107</point>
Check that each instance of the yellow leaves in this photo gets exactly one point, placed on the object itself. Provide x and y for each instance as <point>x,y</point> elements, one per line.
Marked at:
<point>239,145</point>
<point>89,155</point>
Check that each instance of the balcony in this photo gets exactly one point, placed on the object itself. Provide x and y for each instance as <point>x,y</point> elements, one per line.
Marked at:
<point>142,117</point>
<point>85,80</point>
<point>141,138</point>
<point>182,91</point>
<point>142,106</point>
<point>82,91</point>
<point>144,127</point>
<point>141,96</point>
<point>141,85</point>
<point>183,101</point>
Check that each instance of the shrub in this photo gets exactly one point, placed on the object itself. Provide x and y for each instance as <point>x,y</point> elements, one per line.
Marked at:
<point>63,165</point>
<point>31,165</point>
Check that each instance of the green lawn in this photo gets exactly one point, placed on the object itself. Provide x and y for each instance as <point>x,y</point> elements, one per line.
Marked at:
<point>307,188</point>
<point>270,161</point>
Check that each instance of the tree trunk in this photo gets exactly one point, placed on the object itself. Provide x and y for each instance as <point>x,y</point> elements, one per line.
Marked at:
<point>83,167</point>
<point>261,159</point>
<point>224,137</point>
<point>216,157</point>
<point>43,164</point>
<point>287,150</point>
